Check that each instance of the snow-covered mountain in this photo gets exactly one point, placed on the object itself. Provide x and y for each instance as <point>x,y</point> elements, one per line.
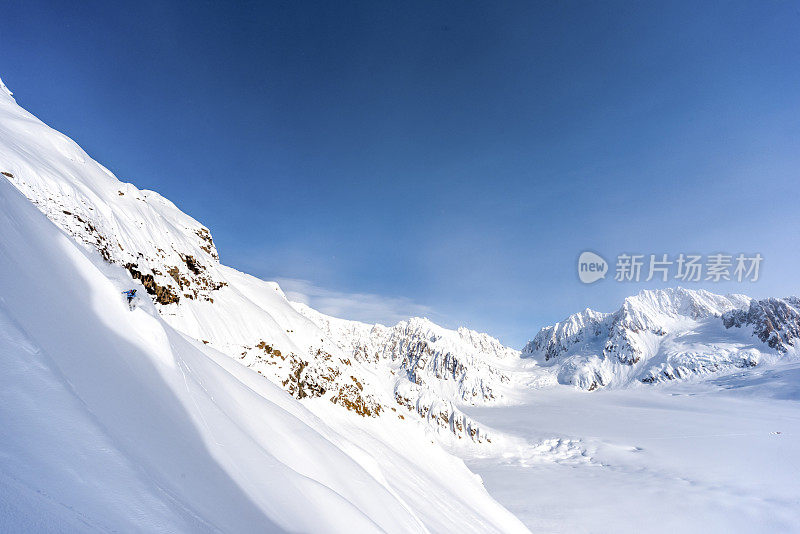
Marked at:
<point>432,369</point>
<point>461,363</point>
<point>175,260</point>
<point>115,422</point>
<point>144,420</point>
<point>219,405</point>
<point>670,334</point>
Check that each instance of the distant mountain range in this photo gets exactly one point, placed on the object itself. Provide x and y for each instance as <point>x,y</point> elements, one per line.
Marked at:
<point>664,335</point>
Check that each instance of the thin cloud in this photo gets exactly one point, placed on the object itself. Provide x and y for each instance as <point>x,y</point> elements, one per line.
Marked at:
<point>365,307</point>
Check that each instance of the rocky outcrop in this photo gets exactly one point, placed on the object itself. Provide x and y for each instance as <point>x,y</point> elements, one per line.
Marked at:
<point>430,369</point>
<point>459,365</point>
<point>173,264</point>
<point>320,374</point>
<point>774,321</point>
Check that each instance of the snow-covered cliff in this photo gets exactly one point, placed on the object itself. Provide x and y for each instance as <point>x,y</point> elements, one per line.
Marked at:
<point>431,370</point>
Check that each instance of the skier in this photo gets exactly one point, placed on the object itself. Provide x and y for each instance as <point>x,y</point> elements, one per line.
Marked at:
<point>130,293</point>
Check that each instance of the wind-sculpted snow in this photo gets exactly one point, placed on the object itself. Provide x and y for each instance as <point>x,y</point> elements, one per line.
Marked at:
<point>665,335</point>
<point>115,421</point>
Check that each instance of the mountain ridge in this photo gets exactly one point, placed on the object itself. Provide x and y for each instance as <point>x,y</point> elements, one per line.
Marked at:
<point>652,337</point>
<point>174,258</point>
<point>142,419</point>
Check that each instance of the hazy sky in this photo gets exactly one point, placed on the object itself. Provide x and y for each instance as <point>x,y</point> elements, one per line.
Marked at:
<point>448,159</point>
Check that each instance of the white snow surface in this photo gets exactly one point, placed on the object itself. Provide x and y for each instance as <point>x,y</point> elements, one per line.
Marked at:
<point>115,421</point>
<point>717,456</point>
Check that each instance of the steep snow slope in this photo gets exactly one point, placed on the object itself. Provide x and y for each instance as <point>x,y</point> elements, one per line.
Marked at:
<point>115,421</point>
<point>426,372</point>
<point>113,407</point>
<point>666,335</point>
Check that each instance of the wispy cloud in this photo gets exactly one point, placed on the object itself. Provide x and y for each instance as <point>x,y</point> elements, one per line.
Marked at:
<point>366,307</point>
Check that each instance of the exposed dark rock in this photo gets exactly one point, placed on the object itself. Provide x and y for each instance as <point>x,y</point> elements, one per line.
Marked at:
<point>162,294</point>
<point>192,264</point>
<point>775,322</point>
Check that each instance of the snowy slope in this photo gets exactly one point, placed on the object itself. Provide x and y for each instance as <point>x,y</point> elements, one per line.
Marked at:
<point>423,373</point>
<point>664,335</point>
<point>111,407</point>
<point>116,421</point>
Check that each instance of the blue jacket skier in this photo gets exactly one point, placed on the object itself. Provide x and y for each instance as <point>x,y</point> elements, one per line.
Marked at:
<point>130,294</point>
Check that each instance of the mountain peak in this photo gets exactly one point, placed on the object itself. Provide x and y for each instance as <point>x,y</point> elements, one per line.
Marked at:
<point>680,301</point>
<point>664,334</point>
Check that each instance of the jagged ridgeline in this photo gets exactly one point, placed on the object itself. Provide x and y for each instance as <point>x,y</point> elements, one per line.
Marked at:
<point>412,371</point>
<point>665,335</point>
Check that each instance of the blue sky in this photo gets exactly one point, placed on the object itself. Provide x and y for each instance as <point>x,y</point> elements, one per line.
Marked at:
<point>438,158</point>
